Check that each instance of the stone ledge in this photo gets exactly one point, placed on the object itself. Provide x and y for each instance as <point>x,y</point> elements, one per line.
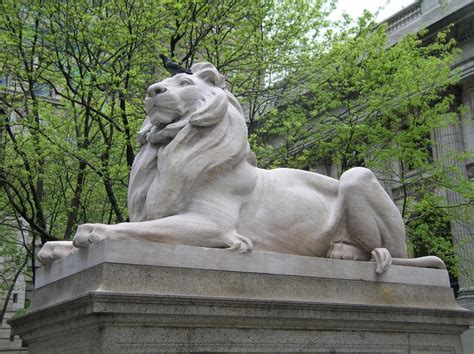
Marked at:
<point>174,281</point>
<point>166,255</point>
<point>131,267</point>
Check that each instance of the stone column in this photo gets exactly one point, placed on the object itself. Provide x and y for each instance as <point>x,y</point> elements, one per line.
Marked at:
<point>466,293</point>
<point>451,140</point>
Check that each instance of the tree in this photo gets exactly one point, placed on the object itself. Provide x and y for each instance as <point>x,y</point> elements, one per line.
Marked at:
<point>373,105</point>
<point>77,73</point>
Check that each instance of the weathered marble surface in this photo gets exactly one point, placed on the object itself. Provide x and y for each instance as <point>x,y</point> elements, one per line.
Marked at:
<point>168,298</point>
<point>195,182</point>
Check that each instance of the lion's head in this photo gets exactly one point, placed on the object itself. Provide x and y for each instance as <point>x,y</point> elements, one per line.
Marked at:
<point>198,127</point>
<point>197,100</point>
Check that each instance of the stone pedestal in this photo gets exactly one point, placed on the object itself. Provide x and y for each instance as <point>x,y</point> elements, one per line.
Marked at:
<point>466,300</point>
<point>132,297</point>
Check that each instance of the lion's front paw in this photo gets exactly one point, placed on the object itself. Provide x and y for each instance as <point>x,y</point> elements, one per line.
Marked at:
<point>240,243</point>
<point>89,233</point>
<point>54,250</point>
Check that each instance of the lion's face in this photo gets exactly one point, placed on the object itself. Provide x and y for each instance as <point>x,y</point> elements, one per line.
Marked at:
<point>170,103</point>
<point>175,102</point>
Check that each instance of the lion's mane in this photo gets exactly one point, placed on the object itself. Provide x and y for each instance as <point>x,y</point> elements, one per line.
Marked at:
<point>215,139</point>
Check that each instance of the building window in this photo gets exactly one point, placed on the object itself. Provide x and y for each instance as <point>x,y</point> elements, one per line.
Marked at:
<point>42,89</point>
<point>15,298</point>
<point>12,337</point>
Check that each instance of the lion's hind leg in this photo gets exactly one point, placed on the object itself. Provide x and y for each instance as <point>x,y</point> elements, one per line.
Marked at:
<point>381,256</point>
<point>239,243</point>
<point>369,218</point>
<point>343,250</point>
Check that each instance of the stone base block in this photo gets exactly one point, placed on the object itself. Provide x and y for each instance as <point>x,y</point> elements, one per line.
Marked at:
<point>466,300</point>
<point>134,297</point>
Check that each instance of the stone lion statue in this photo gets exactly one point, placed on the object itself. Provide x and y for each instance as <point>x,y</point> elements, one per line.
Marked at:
<point>195,182</point>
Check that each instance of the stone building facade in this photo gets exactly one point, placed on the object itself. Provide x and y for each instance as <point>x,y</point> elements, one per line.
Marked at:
<point>437,15</point>
<point>17,300</point>
<point>8,342</point>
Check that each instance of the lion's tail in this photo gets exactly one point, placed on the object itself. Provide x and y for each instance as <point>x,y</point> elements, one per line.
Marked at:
<point>423,262</point>
<point>384,260</point>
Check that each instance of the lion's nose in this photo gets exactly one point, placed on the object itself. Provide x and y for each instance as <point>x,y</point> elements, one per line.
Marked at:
<point>155,90</point>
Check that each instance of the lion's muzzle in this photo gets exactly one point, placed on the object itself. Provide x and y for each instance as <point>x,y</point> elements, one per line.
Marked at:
<point>155,90</point>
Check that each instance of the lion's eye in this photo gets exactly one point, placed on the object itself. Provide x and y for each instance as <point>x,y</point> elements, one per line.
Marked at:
<point>186,83</point>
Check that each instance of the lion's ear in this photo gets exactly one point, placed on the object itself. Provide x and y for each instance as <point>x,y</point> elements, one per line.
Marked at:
<point>209,73</point>
<point>212,77</point>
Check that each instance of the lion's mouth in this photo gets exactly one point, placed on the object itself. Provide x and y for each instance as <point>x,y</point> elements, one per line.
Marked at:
<point>164,132</point>
<point>162,109</point>
<point>164,125</point>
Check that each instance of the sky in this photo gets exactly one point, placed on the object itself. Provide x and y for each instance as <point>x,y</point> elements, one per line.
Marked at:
<point>355,7</point>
